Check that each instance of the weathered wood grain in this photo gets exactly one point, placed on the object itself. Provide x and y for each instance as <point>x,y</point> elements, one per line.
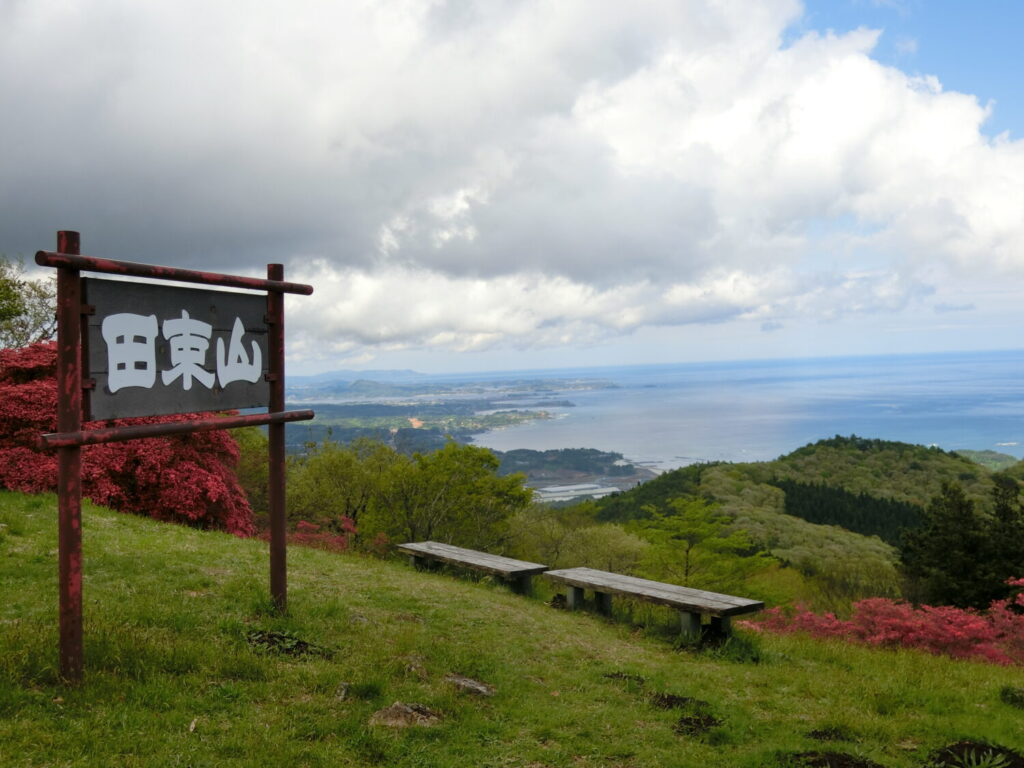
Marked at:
<point>505,567</point>
<point>683,598</point>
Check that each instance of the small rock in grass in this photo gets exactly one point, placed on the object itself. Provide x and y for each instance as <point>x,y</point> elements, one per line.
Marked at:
<point>414,666</point>
<point>469,685</point>
<point>341,693</point>
<point>400,715</point>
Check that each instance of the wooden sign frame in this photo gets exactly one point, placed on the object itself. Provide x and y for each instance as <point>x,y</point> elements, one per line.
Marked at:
<point>72,319</point>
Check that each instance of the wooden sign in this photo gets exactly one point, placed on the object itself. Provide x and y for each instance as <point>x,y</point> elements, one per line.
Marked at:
<point>152,349</point>
<point>159,349</point>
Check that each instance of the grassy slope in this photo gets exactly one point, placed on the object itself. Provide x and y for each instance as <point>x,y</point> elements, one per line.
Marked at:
<point>171,680</point>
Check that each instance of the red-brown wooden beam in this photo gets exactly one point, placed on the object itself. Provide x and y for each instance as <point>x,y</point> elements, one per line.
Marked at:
<point>69,462</point>
<point>276,476</point>
<point>136,431</point>
<point>109,266</point>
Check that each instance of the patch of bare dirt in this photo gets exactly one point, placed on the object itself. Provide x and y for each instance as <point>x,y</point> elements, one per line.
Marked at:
<point>1012,695</point>
<point>672,701</point>
<point>284,643</point>
<point>833,733</point>
<point>696,723</point>
<point>625,676</point>
<point>400,715</point>
<point>834,760</point>
<point>964,753</point>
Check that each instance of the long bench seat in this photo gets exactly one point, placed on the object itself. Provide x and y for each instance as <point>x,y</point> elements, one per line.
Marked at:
<point>516,572</point>
<point>691,603</point>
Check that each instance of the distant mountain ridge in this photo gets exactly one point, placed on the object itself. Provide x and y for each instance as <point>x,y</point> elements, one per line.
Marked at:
<point>345,374</point>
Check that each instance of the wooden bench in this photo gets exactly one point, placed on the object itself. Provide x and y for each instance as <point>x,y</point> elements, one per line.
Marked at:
<point>692,603</point>
<point>516,572</point>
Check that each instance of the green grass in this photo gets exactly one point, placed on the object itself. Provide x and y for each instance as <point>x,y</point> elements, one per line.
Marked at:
<point>172,681</point>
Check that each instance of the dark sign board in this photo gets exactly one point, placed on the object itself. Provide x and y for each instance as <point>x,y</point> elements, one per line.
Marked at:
<point>156,349</point>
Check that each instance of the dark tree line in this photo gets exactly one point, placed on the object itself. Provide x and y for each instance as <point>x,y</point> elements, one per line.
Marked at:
<point>858,512</point>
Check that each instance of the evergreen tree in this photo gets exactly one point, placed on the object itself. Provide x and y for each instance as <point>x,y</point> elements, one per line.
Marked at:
<point>1007,528</point>
<point>961,555</point>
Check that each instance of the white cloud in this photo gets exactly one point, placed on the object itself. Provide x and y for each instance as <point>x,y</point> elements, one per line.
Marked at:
<point>488,174</point>
<point>397,308</point>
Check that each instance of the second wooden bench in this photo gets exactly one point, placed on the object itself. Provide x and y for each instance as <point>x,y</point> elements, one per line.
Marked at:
<point>691,603</point>
<point>516,572</point>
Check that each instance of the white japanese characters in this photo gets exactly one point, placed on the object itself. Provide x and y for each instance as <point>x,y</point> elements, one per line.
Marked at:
<point>131,352</point>
<point>235,366</point>
<point>189,341</point>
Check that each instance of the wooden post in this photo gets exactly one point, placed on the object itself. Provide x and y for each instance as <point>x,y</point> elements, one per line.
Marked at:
<point>69,461</point>
<point>604,603</point>
<point>574,597</point>
<point>276,480</point>
<point>721,625</point>
<point>690,623</point>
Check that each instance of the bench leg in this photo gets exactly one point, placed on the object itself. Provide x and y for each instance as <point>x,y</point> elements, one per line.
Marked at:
<point>520,585</point>
<point>721,625</point>
<point>574,597</point>
<point>419,563</point>
<point>604,603</point>
<point>689,623</point>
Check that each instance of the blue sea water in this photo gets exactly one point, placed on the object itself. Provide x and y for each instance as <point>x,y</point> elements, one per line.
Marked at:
<point>670,415</point>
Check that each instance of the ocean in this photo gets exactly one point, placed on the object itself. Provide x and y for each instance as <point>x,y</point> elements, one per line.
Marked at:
<point>666,416</point>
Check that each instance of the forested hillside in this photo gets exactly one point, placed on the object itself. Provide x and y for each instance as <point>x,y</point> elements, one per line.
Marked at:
<point>833,510</point>
<point>881,468</point>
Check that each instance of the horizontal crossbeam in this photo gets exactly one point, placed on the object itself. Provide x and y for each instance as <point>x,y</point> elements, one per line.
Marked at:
<point>136,431</point>
<point>133,269</point>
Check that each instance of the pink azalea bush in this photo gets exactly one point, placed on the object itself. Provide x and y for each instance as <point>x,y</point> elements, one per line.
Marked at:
<point>188,478</point>
<point>995,635</point>
<point>312,535</point>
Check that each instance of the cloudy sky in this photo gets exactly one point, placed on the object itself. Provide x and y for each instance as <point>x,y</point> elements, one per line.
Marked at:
<point>499,185</point>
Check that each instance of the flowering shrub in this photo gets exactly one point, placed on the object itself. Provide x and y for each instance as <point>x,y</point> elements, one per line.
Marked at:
<point>181,478</point>
<point>312,535</point>
<point>995,635</point>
